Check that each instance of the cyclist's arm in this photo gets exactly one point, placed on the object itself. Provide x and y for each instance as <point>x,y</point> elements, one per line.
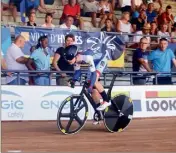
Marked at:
<point>77,73</point>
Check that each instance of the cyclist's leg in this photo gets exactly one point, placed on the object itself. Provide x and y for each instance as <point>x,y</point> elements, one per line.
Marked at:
<point>100,68</point>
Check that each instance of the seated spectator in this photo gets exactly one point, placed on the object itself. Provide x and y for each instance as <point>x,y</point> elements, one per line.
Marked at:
<point>123,25</point>
<point>139,22</point>
<point>173,34</point>
<point>137,3</point>
<point>73,9</point>
<point>161,60</point>
<point>166,17</point>
<point>37,5</point>
<point>16,61</point>
<point>6,4</point>
<point>69,23</point>
<point>48,21</point>
<point>135,13</point>
<point>90,8</point>
<point>60,64</point>
<point>105,11</point>
<point>140,62</point>
<point>126,5</point>
<point>154,31</point>
<point>151,14</point>
<point>163,32</point>
<point>41,58</point>
<point>157,5</point>
<point>31,21</point>
<point>145,31</point>
<point>108,26</point>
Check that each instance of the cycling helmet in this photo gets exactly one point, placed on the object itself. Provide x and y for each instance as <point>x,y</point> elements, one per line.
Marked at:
<point>70,52</point>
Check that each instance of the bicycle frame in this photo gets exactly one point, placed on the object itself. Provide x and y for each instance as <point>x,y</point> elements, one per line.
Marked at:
<point>89,97</point>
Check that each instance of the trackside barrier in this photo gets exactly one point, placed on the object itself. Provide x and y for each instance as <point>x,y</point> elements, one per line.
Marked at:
<point>42,103</point>
<point>54,74</point>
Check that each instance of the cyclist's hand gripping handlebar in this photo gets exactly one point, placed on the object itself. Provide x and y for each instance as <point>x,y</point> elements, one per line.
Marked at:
<point>71,83</point>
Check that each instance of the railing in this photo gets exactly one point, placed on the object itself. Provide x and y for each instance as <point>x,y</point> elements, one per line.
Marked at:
<point>104,78</point>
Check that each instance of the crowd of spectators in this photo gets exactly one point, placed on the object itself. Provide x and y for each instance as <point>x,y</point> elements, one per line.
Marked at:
<point>139,17</point>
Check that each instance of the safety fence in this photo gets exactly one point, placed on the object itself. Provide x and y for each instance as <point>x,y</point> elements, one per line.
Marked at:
<point>106,76</point>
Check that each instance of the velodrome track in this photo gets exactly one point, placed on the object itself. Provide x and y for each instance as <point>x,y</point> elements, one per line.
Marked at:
<point>152,134</point>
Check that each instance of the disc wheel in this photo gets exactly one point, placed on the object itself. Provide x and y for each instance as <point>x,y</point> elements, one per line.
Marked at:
<point>119,114</point>
<point>72,114</point>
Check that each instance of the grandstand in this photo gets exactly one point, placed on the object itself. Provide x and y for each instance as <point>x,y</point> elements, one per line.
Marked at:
<point>8,21</point>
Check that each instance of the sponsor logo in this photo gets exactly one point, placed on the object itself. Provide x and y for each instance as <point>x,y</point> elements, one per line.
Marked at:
<point>12,105</point>
<point>160,101</point>
<point>136,102</point>
<point>50,102</point>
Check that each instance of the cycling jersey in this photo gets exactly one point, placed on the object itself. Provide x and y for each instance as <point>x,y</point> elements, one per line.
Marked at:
<point>95,65</point>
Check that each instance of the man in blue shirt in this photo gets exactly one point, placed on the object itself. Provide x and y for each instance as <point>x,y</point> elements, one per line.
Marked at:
<point>161,60</point>
<point>140,62</point>
<point>151,14</point>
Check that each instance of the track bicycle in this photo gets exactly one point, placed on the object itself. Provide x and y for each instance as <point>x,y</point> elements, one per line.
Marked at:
<point>73,112</point>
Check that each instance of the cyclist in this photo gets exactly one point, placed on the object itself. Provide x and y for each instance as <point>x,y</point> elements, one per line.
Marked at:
<point>96,67</point>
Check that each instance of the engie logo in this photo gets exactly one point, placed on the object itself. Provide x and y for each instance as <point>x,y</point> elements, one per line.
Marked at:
<point>54,99</point>
<point>16,104</point>
<point>11,102</point>
<point>12,105</point>
<point>160,101</point>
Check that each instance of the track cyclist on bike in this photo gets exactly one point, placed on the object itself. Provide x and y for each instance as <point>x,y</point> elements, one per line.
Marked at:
<point>96,68</point>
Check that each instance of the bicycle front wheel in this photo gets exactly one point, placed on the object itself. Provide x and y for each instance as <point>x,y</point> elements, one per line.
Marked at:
<point>72,114</point>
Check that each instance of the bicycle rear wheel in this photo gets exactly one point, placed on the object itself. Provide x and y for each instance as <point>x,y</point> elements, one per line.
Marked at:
<point>119,114</point>
<point>72,114</point>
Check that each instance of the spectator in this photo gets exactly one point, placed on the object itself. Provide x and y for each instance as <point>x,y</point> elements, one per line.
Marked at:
<point>108,26</point>
<point>137,3</point>
<point>16,61</point>
<point>157,5</point>
<point>6,4</point>
<point>154,31</point>
<point>90,8</point>
<point>151,14</point>
<point>145,31</point>
<point>127,5</point>
<point>48,21</point>
<point>123,25</point>
<point>3,62</point>
<point>31,78</point>
<point>73,9</point>
<point>140,62</point>
<point>60,64</point>
<point>163,32</point>
<point>135,14</point>
<point>37,5</point>
<point>161,60</point>
<point>173,34</point>
<point>139,22</point>
<point>105,11</point>
<point>167,16</point>
<point>69,23</point>
<point>31,18</point>
<point>41,58</point>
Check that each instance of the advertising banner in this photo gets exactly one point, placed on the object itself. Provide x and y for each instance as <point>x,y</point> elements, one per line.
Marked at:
<point>42,103</point>
<point>99,42</point>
